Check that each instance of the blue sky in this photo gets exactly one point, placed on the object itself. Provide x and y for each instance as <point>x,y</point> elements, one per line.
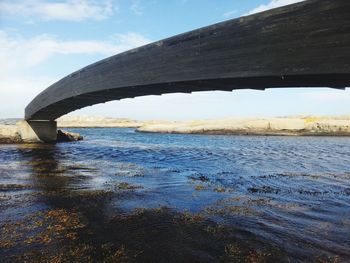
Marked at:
<point>43,41</point>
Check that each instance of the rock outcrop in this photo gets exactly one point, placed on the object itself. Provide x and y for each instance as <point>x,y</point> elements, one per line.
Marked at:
<point>63,136</point>
<point>101,122</point>
<point>10,134</point>
<point>298,125</point>
<point>302,126</point>
<point>290,126</point>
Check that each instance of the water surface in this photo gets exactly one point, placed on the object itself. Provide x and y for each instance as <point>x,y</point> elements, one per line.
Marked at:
<point>123,196</point>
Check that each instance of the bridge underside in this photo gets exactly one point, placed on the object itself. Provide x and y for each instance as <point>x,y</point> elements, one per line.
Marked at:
<point>65,106</point>
<point>301,45</point>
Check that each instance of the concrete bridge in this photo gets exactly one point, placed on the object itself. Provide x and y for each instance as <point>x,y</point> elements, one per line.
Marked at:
<point>301,45</point>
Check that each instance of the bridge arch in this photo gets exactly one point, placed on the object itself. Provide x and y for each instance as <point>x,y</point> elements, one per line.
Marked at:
<point>301,45</point>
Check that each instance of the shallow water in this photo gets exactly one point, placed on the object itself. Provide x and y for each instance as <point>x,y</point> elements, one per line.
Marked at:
<point>123,196</point>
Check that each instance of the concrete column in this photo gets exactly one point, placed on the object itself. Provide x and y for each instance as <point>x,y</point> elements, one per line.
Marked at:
<point>38,131</point>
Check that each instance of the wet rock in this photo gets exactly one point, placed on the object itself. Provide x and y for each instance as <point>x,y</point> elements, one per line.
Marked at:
<point>127,186</point>
<point>10,140</point>
<point>10,134</point>
<point>263,190</point>
<point>63,136</point>
<point>219,189</point>
<point>199,187</point>
<point>201,178</point>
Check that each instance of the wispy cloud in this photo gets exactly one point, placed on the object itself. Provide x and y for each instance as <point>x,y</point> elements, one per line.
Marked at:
<point>17,52</point>
<point>272,4</point>
<point>64,10</point>
<point>136,8</point>
<point>229,13</point>
<point>20,57</point>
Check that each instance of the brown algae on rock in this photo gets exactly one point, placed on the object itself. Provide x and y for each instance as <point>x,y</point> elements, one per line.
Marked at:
<point>127,186</point>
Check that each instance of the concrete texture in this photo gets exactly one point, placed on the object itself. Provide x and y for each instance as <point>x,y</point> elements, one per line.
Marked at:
<point>38,131</point>
<point>300,45</point>
<point>34,132</point>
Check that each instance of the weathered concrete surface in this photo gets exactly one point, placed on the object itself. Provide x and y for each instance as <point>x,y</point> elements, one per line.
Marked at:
<point>36,131</point>
<point>300,45</point>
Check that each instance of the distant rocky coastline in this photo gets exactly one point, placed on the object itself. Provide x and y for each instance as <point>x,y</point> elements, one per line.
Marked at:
<point>101,122</point>
<point>279,126</point>
<point>308,126</point>
<point>287,126</point>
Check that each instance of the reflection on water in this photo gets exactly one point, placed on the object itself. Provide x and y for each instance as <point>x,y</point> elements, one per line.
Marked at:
<point>122,196</point>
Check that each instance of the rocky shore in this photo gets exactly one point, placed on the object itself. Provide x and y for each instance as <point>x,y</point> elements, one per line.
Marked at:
<point>286,126</point>
<point>290,126</point>
<point>101,122</point>
<point>9,133</point>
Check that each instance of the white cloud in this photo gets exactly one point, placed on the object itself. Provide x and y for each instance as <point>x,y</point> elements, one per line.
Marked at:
<point>66,10</point>
<point>20,56</point>
<point>18,53</point>
<point>132,39</point>
<point>272,4</point>
<point>136,8</point>
<point>229,13</point>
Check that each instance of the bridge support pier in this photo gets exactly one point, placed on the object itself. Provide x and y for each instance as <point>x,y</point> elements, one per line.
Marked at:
<point>38,131</point>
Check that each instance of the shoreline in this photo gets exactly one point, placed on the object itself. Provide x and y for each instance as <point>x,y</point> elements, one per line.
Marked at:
<point>278,126</point>
<point>10,134</point>
<point>251,133</point>
<point>331,126</point>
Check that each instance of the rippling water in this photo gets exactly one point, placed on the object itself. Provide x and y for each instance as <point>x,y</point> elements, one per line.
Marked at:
<point>123,196</point>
